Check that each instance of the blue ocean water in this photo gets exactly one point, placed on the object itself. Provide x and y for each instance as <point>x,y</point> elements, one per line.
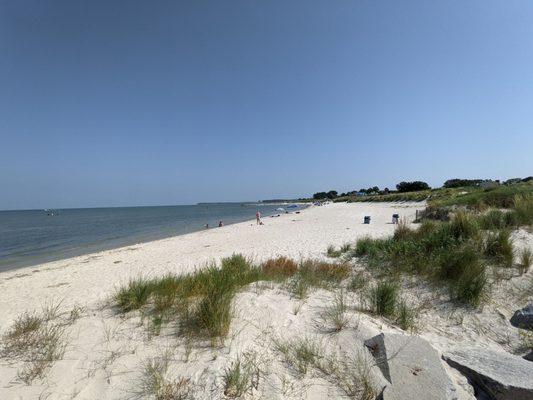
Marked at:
<point>33,237</point>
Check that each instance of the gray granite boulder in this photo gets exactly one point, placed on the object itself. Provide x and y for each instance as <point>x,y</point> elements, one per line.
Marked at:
<point>412,367</point>
<point>523,318</point>
<point>502,376</point>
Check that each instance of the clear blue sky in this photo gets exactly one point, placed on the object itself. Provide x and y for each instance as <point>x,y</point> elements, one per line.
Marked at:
<point>110,103</point>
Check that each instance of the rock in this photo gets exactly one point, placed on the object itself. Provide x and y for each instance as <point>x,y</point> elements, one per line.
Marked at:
<point>413,368</point>
<point>500,375</point>
<point>523,318</point>
<point>529,357</point>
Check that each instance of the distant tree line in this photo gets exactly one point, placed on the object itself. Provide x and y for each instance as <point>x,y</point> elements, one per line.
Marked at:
<point>332,194</point>
<point>454,183</point>
<point>412,186</point>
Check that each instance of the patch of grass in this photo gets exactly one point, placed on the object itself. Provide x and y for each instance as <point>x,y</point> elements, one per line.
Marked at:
<point>463,226</point>
<point>470,286</point>
<point>332,252</point>
<point>201,302</point>
<point>299,354</point>
<point>357,282</point>
<point>367,246</point>
<point>402,230</point>
<point>334,316</point>
<point>493,219</point>
<point>241,377</point>
<point>314,273</point>
<point>280,267</point>
<point>384,298</point>
<point>523,207</point>
<point>346,247</point>
<point>325,272</point>
<point>36,340</point>
<point>299,286</point>
<point>351,374</point>
<point>76,313</point>
<point>405,316</point>
<point>134,295</point>
<point>154,383</point>
<point>478,198</point>
<point>452,264</point>
<point>525,260</point>
<point>499,247</point>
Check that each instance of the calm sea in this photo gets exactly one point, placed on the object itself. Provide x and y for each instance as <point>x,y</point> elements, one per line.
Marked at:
<point>33,237</point>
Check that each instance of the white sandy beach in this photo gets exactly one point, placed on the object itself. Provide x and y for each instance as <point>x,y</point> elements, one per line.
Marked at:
<point>105,352</point>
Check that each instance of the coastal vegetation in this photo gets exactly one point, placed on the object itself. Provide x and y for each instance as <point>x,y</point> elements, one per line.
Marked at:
<point>201,302</point>
<point>349,372</point>
<point>38,339</point>
<point>474,193</point>
<point>154,382</point>
<point>456,252</point>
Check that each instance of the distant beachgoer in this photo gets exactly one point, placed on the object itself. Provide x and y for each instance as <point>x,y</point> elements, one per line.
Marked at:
<point>206,226</point>
<point>220,224</point>
<point>258,218</point>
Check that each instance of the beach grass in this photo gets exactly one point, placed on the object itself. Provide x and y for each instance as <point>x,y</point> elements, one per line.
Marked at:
<point>526,258</point>
<point>334,316</point>
<point>499,248</point>
<point>349,372</point>
<point>202,302</point>
<point>155,384</point>
<point>383,298</point>
<point>405,316</point>
<point>279,267</point>
<point>37,340</point>
<point>241,376</point>
<point>443,252</point>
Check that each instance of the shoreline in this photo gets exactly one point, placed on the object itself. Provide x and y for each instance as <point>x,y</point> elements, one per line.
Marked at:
<point>23,260</point>
<point>293,235</point>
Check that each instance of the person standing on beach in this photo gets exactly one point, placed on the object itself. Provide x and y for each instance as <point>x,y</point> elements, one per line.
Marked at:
<point>258,218</point>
